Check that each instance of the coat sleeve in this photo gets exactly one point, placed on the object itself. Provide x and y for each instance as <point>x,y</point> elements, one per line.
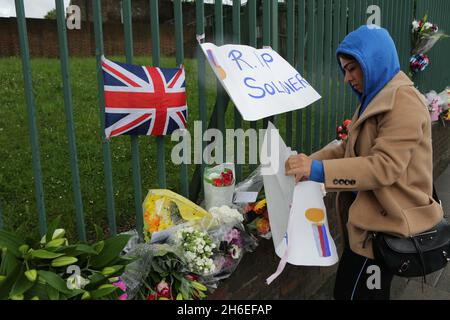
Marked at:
<point>334,150</point>
<point>400,131</point>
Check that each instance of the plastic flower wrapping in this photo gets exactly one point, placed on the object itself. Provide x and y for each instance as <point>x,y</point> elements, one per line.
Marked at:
<point>164,209</point>
<point>438,105</point>
<point>424,36</point>
<point>218,184</point>
<point>190,260</point>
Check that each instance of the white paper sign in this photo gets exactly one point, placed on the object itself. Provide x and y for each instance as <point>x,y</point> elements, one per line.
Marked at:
<point>308,230</point>
<point>260,82</point>
<point>297,213</point>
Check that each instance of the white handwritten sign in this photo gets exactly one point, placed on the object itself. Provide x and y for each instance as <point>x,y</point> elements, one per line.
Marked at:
<point>260,82</point>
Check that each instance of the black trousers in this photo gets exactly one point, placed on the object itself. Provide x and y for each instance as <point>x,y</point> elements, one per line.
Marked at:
<point>360,278</point>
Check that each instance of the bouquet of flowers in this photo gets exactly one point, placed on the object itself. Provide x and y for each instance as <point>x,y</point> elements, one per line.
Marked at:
<point>434,105</point>
<point>424,36</point>
<point>197,249</point>
<point>257,218</point>
<point>343,130</point>
<point>219,185</point>
<point>164,209</point>
<point>160,274</point>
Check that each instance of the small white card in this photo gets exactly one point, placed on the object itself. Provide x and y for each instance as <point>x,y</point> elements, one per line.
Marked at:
<point>245,197</point>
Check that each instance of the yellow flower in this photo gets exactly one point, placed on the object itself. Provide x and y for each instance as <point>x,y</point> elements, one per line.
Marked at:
<point>260,206</point>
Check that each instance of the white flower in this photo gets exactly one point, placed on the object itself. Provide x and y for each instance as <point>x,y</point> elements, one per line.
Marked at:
<point>76,282</point>
<point>235,252</point>
<point>428,25</point>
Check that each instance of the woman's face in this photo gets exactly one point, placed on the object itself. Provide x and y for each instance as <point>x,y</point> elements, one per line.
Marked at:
<point>353,74</point>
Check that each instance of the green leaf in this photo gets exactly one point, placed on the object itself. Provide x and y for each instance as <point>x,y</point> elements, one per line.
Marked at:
<point>52,227</point>
<point>99,233</point>
<point>12,237</point>
<point>55,281</point>
<point>113,247</point>
<point>53,294</point>
<point>77,249</point>
<point>96,279</point>
<point>103,291</point>
<point>8,283</point>
<point>10,244</point>
<point>45,254</point>
<point>8,263</point>
<point>22,284</point>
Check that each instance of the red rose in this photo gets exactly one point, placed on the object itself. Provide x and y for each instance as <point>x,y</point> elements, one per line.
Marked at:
<point>346,123</point>
<point>339,129</point>
<point>218,182</point>
<point>151,296</point>
<point>344,136</point>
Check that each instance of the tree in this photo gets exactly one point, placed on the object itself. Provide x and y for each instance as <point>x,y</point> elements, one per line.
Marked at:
<point>51,14</point>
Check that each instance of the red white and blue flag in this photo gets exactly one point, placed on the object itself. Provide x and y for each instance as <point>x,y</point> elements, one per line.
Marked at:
<point>141,100</point>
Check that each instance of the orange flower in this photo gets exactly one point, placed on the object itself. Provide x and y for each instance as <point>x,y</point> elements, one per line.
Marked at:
<point>263,225</point>
<point>154,224</point>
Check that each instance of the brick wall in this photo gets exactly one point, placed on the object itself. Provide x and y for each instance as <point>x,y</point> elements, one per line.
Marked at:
<point>441,148</point>
<point>248,281</point>
<point>43,39</point>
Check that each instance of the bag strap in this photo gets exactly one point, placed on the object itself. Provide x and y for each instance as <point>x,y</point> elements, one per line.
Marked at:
<point>436,198</point>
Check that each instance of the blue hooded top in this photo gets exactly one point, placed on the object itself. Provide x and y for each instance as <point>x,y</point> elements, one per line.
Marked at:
<point>376,53</point>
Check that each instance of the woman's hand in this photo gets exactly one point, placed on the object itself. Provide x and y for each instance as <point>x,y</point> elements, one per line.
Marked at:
<point>299,166</point>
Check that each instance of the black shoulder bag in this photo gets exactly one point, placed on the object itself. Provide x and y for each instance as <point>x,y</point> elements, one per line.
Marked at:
<point>415,256</point>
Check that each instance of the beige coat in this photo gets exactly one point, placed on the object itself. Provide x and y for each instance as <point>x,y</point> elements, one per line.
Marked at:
<point>388,159</point>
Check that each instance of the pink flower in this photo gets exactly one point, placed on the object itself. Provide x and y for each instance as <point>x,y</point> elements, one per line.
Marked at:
<point>192,277</point>
<point>121,285</point>
<point>163,289</point>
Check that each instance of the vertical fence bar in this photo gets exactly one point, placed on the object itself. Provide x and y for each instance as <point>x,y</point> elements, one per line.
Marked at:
<point>237,115</point>
<point>2,226</point>
<point>252,41</point>
<point>318,106</point>
<point>31,110</point>
<point>219,40</point>
<point>335,100</point>
<point>290,12</point>
<point>301,37</point>
<point>266,34</point>
<point>309,69</point>
<point>160,141</point>
<point>98,30</point>
<point>274,38</point>
<point>201,71</point>
<point>68,108</point>
<point>328,47</point>
<point>179,44</point>
<point>134,140</point>
<point>352,26</point>
<point>343,86</point>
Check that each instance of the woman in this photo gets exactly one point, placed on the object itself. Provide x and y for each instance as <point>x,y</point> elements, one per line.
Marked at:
<point>383,171</point>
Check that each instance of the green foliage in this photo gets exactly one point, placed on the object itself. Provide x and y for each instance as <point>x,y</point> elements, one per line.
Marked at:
<point>42,273</point>
<point>51,14</point>
<point>16,173</point>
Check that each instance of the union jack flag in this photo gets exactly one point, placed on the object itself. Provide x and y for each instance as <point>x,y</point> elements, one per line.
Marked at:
<point>141,100</point>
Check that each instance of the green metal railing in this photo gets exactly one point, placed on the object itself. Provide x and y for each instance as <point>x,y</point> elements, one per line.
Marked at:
<point>314,29</point>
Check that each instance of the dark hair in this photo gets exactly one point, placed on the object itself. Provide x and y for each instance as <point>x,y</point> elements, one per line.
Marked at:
<point>346,56</point>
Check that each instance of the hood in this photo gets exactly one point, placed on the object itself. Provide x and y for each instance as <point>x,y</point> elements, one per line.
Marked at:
<point>375,51</point>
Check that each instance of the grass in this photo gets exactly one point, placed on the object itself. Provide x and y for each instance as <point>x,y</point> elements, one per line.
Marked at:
<point>17,195</point>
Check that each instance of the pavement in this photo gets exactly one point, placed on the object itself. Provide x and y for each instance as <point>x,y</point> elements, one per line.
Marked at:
<point>438,284</point>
